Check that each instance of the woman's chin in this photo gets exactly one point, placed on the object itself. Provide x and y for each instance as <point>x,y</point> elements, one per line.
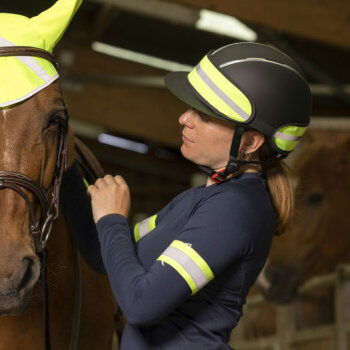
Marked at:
<point>185,152</point>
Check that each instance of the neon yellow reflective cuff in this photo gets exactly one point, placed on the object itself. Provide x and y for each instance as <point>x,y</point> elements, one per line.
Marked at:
<point>182,272</point>
<point>195,257</point>
<point>152,222</point>
<point>137,232</point>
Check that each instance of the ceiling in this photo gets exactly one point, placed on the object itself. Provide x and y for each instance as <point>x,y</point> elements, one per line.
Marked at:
<point>129,99</point>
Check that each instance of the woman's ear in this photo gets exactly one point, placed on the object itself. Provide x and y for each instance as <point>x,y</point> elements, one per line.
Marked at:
<point>252,140</point>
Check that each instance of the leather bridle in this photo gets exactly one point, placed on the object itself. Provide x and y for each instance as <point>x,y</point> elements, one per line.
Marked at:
<point>39,229</point>
<point>48,199</point>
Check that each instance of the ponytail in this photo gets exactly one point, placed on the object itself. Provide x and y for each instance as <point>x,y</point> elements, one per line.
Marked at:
<point>279,182</point>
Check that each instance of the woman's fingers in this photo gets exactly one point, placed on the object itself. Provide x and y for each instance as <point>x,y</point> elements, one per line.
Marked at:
<point>100,183</point>
<point>119,180</point>
<point>91,189</point>
<point>109,179</point>
<point>109,195</point>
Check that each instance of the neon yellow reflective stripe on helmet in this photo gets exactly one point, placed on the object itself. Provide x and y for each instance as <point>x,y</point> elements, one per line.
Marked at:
<point>287,138</point>
<point>189,264</point>
<point>219,92</point>
<point>145,226</point>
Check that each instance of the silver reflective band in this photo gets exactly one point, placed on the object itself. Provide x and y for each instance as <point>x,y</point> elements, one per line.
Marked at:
<point>258,59</point>
<point>30,62</point>
<point>287,137</point>
<point>188,264</point>
<point>221,94</point>
<point>144,227</point>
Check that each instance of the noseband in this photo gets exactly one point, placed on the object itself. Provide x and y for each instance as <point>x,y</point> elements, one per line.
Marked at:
<point>48,199</point>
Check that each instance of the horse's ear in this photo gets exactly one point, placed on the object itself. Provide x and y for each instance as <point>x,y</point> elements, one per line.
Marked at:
<point>52,23</point>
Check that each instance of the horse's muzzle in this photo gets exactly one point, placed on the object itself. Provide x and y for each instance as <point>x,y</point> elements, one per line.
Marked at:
<point>16,283</point>
<point>282,286</point>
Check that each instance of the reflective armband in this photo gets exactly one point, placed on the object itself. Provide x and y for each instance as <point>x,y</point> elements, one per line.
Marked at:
<point>145,226</point>
<point>189,264</point>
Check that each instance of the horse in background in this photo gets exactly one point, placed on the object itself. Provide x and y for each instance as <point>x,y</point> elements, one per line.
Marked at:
<point>28,145</point>
<point>317,240</point>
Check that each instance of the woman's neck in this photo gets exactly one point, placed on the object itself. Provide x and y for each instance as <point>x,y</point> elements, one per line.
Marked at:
<point>210,181</point>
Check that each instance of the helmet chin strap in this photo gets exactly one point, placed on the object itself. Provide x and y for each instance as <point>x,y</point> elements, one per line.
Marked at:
<point>234,164</point>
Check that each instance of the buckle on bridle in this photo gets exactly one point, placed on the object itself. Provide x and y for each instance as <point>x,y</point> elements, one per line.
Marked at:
<point>46,231</point>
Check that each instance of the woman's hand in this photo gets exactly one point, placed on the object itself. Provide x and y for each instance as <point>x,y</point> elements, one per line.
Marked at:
<point>109,195</point>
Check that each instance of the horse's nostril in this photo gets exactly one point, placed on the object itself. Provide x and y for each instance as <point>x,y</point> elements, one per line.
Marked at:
<point>31,273</point>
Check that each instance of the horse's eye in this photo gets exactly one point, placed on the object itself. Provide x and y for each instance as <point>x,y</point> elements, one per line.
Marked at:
<point>315,198</point>
<point>52,121</point>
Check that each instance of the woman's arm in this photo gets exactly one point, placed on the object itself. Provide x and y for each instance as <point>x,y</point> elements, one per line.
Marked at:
<point>212,239</point>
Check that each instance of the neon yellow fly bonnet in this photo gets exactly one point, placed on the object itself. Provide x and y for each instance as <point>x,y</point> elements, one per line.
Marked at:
<point>21,77</point>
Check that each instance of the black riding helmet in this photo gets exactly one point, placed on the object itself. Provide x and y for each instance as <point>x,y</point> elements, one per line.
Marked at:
<point>253,86</point>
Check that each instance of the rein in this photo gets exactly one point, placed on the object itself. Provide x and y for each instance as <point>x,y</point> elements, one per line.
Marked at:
<point>48,199</point>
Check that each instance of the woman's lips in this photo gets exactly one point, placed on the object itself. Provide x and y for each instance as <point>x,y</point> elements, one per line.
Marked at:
<point>186,139</point>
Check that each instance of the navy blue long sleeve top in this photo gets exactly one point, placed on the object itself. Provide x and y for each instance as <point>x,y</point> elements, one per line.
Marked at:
<point>181,276</point>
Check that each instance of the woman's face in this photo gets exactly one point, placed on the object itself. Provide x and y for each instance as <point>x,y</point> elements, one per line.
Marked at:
<point>206,140</point>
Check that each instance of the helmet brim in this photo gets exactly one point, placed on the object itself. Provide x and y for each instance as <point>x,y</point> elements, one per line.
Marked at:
<point>178,84</point>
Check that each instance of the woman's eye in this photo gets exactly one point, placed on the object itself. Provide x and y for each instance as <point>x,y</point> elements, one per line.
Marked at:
<point>204,117</point>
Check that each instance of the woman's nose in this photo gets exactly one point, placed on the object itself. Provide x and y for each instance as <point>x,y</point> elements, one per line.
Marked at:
<point>186,118</point>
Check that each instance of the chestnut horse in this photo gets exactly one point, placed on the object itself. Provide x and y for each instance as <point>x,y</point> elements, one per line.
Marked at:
<point>28,145</point>
<point>317,240</point>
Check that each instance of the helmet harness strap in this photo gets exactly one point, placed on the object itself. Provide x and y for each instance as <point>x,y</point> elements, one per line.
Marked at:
<point>234,164</point>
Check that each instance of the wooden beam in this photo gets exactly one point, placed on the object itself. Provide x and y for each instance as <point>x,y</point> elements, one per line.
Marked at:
<point>142,112</point>
<point>148,114</point>
<point>327,21</point>
<point>170,11</point>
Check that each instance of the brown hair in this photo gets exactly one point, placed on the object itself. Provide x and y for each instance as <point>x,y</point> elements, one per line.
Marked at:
<point>279,183</point>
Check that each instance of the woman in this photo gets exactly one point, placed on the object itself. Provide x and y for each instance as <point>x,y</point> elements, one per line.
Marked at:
<point>182,275</point>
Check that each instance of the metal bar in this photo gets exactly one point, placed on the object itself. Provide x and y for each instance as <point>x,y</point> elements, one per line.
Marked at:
<point>286,334</point>
<point>308,66</point>
<point>314,333</point>
<point>340,300</point>
<point>260,343</point>
<point>169,11</point>
<point>330,123</point>
<point>297,337</point>
<point>314,283</point>
<point>283,326</point>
